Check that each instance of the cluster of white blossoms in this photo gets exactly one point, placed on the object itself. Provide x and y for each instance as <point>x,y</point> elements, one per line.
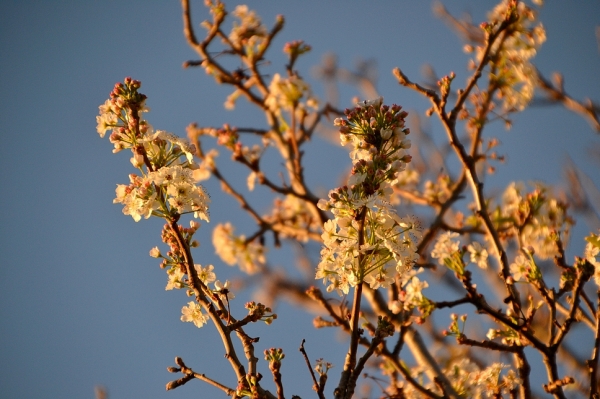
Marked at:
<point>592,254</point>
<point>540,218</point>
<point>166,187</point>
<point>295,219</point>
<point>367,241</point>
<point>167,191</point>
<point>469,381</point>
<point>287,93</point>
<point>249,33</point>
<point>513,72</point>
<point>411,296</point>
<point>448,252</point>
<point>232,249</point>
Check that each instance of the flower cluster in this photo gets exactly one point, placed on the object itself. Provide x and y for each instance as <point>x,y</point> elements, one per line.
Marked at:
<point>249,33</point>
<point>249,256</point>
<point>512,70</point>
<point>166,187</point>
<point>295,217</point>
<point>411,296</point>
<point>286,93</point>
<point>448,252</point>
<point>540,219</point>
<point>470,381</point>
<point>165,193</point>
<point>367,241</point>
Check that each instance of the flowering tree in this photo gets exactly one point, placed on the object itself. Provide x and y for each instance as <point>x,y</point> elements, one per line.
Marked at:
<point>386,233</point>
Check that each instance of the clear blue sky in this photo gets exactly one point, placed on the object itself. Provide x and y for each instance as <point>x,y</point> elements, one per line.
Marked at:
<point>81,303</point>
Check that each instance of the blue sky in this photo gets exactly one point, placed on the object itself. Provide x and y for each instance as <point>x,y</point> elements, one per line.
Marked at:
<point>81,303</point>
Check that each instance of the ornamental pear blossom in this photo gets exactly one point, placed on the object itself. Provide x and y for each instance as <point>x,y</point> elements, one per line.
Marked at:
<point>414,290</point>
<point>204,169</point>
<point>249,32</point>
<point>544,219</point>
<point>223,290</point>
<point>155,252</point>
<point>205,274</point>
<point>175,275</point>
<point>478,254</point>
<point>592,254</point>
<point>445,246</point>
<point>380,278</point>
<point>139,199</point>
<point>181,144</point>
<point>286,93</point>
<point>193,313</point>
<point>520,267</point>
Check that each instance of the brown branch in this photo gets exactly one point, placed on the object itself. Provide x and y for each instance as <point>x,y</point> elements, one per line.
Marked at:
<point>360,365</point>
<point>222,75</point>
<point>413,340</point>
<point>190,375</point>
<point>404,372</point>
<point>200,291</point>
<point>572,317</point>
<point>463,340</point>
<point>590,111</point>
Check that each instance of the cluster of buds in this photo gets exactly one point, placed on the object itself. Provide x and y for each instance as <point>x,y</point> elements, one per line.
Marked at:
<point>322,367</point>
<point>174,260</point>
<point>274,356</point>
<point>455,329</point>
<point>120,114</point>
<point>296,48</point>
<point>258,311</point>
<point>444,84</point>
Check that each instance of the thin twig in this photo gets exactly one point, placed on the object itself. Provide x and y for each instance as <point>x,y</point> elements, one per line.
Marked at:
<point>593,362</point>
<point>316,386</point>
